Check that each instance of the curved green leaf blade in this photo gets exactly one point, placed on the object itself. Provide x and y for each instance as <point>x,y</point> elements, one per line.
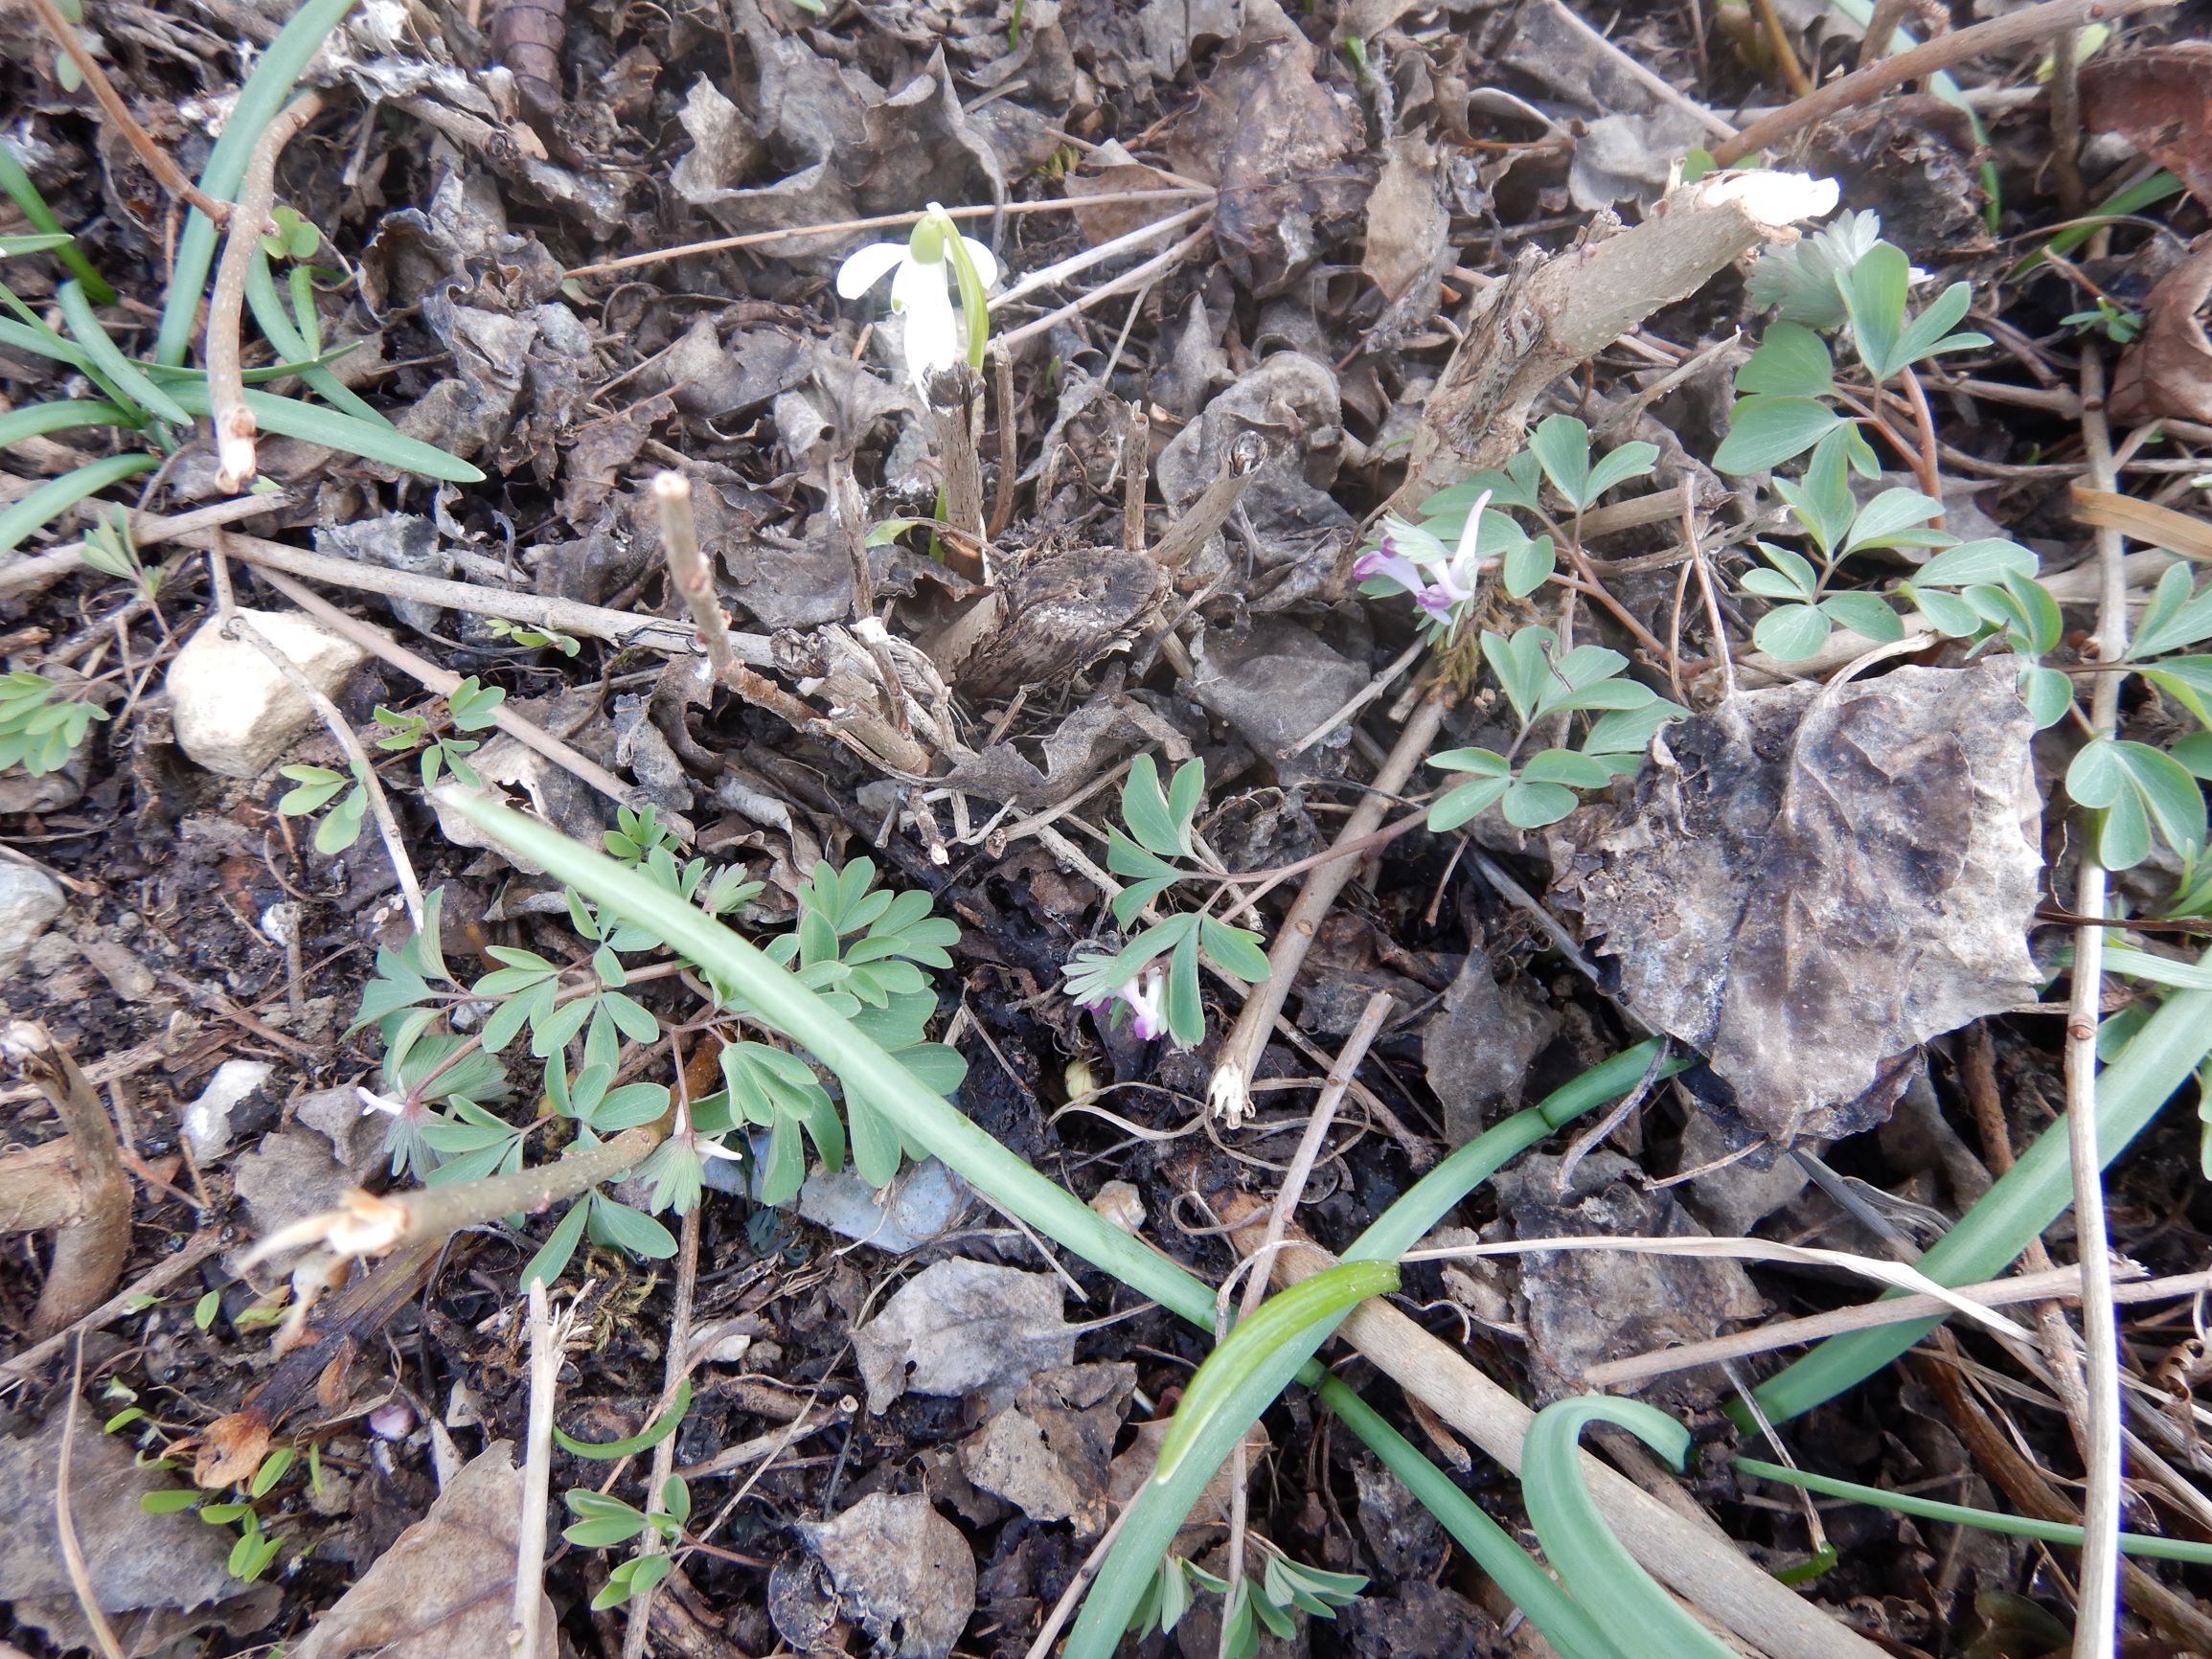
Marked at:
<point>56,495</point>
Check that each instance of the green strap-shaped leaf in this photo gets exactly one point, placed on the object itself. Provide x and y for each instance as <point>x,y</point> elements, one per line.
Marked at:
<point>41,419</point>
<point>1323,1297</point>
<point>312,423</point>
<point>1597,1568</point>
<point>56,495</point>
<point>106,355</point>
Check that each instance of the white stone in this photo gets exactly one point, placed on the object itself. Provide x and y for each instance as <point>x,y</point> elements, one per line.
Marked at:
<point>29,899</point>
<point>207,1121</point>
<point>232,710</point>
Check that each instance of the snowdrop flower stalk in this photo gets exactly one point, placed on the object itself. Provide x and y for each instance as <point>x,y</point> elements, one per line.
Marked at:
<point>1415,561</point>
<point>923,270</point>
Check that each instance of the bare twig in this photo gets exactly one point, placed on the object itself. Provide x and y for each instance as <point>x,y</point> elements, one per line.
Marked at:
<point>1944,52</point>
<point>1075,265</point>
<point>528,733</point>
<point>237,627</point>
<point>664,1455</point>
<point>65,1524</point>
<point>2098,1598</point>
<point>884,222</point>
<point>1279,1214</point>
<point>1359,700</point>
<point>1229,1093</point>
<point>158,161</point>
<point>2059,1283</point>
<point>226,387</point>
<point>690,571</point>
<point>952,393</point>
<point>1209,509</point>
<point>546,1342</point>
<point>1135,277</point>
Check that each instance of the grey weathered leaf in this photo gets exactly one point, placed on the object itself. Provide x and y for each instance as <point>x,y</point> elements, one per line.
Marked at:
<point>963,1326</point>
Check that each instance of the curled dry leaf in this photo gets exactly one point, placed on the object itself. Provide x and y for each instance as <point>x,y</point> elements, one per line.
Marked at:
<point>2168,372</point>
<point>230,1449</point>
<point>2160,101</point>
<point>1050,1455</point>
<point>902,1570</point>
<point>446,1586</point>
<point>1811,881</point>
<point>963,1326</point>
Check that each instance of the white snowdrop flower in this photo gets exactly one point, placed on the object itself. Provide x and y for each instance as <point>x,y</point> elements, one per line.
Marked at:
<point>924,282</point>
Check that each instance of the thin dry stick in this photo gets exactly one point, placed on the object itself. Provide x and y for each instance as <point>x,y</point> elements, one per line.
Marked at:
<point>1075,265</point>
<point>2098,1612</point>
<point>1135,277</point>
<point>884,222</point>
<point>527,733</point>
<point>235,627</point>
<point>65,1524</point>
<point>664,1455</point>
<point>1229,1093</point>
<point>226,388</point>
<point>688,569</point>
<point>671,636</point>
<point>1880,29</point>
<point>1944,52</point>
<point>2057,1283</point>
<point>159,162</point>
<point>1077,1585</point>
<point>1286,1200</point>
<point>545,1345</point>
<point>1359,700</point>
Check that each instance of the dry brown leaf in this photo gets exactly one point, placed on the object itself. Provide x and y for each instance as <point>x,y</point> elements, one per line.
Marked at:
<point>903,1570</point>
<point>2162,102</point>
<point>962,1327</point>
<point>446,1586</point>
<point>230,1449</point>
<point>1049,1456</point>
<point>1814,880</point>
<point>2168,372</point>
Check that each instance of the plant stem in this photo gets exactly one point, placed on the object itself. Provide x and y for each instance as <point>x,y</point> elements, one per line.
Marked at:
<point>2098,1594</point>
<point>90,1250</point>
<point>233,422</point>
<point>547,1340</point>
<point>688,569</point>
<point>1229,1094</point>
<point>664,1455</point>
<point>158,161</point>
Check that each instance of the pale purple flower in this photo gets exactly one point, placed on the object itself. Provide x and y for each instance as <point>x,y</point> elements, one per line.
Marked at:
<point>1146,997</point>
<point>1436,581</point>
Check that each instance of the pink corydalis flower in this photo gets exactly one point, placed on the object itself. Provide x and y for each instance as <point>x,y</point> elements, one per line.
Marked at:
<point>1146,998</point>
<point>1438,582</point>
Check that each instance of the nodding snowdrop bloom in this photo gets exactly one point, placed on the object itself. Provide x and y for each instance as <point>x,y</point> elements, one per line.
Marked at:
<point>924,282</point>
<point>1417,561</point>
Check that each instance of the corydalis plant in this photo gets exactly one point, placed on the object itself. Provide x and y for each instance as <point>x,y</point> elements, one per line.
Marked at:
<point>1162,827</point>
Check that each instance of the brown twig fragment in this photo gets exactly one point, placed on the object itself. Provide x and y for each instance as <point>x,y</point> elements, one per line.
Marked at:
<point>952,395</point>
<point>1944,52</point>
<point>233,423</point>
<point>89,1252</point>
<point>548,1339</point>
<point>689,570</point>
<point>158,161</point>
<point>1229,1094</point>
<point>1211,509</point>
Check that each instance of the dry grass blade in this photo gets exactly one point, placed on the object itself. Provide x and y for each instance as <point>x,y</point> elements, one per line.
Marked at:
<point>65,1527</point>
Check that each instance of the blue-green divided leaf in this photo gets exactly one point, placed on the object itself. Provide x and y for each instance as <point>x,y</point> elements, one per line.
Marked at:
<point>632,1230</point>
<point>1873,293</point>
<point>1865,613</point>
<point>1235,950</point>
<point>1930,335</point>
<point>1765,431</point>
<point>1455,806</point>
<point>1533,805</point>
<point>1186,1008</point>
<point>1529,563</point>
<point>876,1144</point>
<point>2177,615</point>
<point>601,1522</point>
<point>1617,466</point>
<point>1629,732</point>
<point>1945,612</point>
<point>1791,361</point>
<point>2188,681</point>
<point>56,495</point>
<point>2048,695</point>
<point>553,1256</point>
<point>1597,1570</point>
<point>2136,788</point>
<point>1153,876</point>
<point>1987,560</point>
<point>1891,519</point>
<point>1790,633</point>
<point>1146,811</point>
<point>1562,446</point>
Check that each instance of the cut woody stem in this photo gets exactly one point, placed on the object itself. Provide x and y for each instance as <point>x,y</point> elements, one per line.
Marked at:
<point>688,569</point>
<point>233,423</point>
<point>88,1252</point>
